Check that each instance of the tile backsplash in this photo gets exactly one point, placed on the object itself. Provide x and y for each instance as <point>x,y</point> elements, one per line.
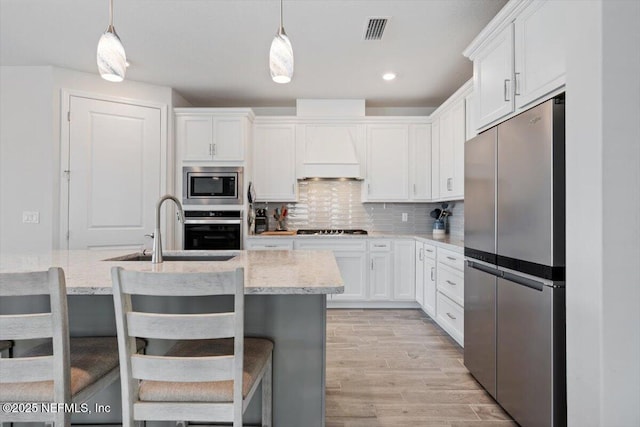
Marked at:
<point>337,204</point>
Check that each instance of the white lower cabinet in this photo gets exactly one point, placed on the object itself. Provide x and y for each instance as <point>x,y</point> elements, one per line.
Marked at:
<point>353,267</point>
<point>381,269</point>
<point>449,291</point>
<point>267,244</point>
<point>451,317</point>
<point>430,287</point>
<point>420,274</point>
<point>404,269</point>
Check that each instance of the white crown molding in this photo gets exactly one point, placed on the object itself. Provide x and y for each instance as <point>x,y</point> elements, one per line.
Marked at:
<point>244,112</point>
<point>463,91</point>
<point>504,18</point>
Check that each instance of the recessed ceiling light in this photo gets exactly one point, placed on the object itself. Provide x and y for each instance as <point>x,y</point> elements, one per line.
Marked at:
<point>389,76</point>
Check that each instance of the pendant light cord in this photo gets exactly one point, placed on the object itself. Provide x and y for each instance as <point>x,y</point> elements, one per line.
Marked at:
<point>111,14</point>
<point>281,30</point>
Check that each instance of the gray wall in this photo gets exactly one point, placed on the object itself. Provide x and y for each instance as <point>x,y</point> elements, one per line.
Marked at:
<point>603,251</point>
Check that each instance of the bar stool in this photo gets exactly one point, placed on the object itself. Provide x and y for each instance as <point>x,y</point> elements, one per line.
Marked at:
<point>61,371</point>
<point>210,374</point>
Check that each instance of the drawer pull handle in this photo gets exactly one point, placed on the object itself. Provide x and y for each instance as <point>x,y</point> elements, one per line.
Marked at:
<point>452,258</point>
<point>451,283</point>
<point>270,246</point>
<point>429,250</point>
<point>451,316</point>
<point>379,246</point>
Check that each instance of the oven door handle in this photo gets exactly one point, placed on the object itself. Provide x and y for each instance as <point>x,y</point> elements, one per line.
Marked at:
<point>213,222</point>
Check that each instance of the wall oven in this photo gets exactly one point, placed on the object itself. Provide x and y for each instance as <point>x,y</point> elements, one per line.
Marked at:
<point>212,185</point>
<point>212,230</point>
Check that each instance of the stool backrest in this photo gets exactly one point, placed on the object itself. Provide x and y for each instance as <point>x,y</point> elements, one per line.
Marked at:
<point>53,324</point>
<point>136,324</point>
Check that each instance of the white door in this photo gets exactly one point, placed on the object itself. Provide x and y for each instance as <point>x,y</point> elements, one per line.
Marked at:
<point>493,79</point>
<point>380,277</point>
<point>404,267</point>
<point>115,173</point>
<point>430,287</point>
<point>387,163</point>
<point>353,268</point>
<point>228,141</point>
<point>274,162</point>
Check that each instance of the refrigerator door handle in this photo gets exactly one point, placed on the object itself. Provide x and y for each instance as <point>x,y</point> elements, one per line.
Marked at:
<point>484,269</point>
<point>523,281</point>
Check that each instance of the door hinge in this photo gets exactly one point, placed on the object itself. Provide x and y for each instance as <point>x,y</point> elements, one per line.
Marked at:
<point>68,116</point>
<point>67,234</point>
<point>67,174</point>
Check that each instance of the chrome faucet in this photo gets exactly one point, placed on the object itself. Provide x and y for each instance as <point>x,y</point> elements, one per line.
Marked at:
<point>156,257</point>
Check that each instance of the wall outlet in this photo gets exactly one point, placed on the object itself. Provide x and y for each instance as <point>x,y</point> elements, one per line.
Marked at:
<point>405,217</point>
<point>30,217</point>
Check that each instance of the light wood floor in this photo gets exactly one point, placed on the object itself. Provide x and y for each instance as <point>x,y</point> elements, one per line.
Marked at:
<point>398,368</point>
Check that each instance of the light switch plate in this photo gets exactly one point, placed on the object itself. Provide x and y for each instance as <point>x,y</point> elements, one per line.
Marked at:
<point>31,217</point>
<point>405,217</point>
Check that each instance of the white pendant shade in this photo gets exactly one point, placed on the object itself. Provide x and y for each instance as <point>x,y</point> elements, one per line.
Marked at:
<point>281,58</point>
<point>112,60</point>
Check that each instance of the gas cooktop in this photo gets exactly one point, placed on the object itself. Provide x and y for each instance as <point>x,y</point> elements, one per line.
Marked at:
<point>331,232</point>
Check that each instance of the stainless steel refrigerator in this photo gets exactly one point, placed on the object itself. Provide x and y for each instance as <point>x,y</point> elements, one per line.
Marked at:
<point>514,322</point>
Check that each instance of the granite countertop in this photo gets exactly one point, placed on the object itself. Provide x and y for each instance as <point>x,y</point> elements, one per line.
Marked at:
<point>446,241</point>
<point>266,272</point>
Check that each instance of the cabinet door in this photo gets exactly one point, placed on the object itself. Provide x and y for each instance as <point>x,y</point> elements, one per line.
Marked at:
<point>446,159</point>
<point>420,162</point>
<point>353,268</point>
<point>380,276</point>
<point>195,135</point>
<point>404,268</point>
<point>274,162</point>
<point>435,159</point>
<point>387,163</point>
<point>229,138</point>
<point>470,117</point>
<point>493,75</point>
<point>540,46</point>
<point>419,277</point>
<point>430,287</point>
<point>458,135</point>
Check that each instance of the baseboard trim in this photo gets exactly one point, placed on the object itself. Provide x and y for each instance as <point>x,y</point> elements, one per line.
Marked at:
<point>372,304</point>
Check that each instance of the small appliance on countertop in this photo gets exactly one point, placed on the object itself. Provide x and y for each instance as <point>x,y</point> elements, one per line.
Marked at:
<point>261,223</point>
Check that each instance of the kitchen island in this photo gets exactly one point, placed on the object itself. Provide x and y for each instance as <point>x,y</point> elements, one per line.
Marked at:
<point>285,302</point>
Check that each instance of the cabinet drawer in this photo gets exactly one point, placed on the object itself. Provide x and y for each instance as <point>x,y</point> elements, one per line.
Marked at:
<point>451,317</point>
<point>429,251</point>
<point>450,258</point>
<point>331,244</point>
<point>380,245</point>
<point>451,283</point>
<point>270,244</point>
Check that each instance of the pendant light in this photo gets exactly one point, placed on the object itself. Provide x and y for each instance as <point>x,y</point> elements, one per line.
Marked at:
<point>281,55</point>
<point>112,61</point>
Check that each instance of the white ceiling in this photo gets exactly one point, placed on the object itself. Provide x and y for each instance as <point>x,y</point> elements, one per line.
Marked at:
<point>215,52</point>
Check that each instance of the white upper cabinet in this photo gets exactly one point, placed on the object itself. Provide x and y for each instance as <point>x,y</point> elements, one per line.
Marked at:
<point>207,135</point>
<point>518,59</point>
<point>449,136</point>
<point>274,162</point>
<point>435,156</point>
<point>540,35</point>
<point>420,162</point>
<point>387,162</point>
<point>493,79</point>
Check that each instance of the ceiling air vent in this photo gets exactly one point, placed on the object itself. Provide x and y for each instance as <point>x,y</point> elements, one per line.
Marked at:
<point>375,28</point>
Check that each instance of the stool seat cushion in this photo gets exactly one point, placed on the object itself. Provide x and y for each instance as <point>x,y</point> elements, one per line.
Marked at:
<point>91,359</point>
<point>256,355</point>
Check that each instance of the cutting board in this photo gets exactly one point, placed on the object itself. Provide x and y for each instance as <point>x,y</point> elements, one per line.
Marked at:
<point>278,233</point>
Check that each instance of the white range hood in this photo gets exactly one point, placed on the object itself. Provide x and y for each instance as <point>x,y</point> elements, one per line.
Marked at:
<point>330,149</point>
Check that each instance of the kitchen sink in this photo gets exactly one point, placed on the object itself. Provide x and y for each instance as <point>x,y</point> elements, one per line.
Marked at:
<point>175,257</point>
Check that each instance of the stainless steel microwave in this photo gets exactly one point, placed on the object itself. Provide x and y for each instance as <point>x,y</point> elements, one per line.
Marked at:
<point>212,185</point>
